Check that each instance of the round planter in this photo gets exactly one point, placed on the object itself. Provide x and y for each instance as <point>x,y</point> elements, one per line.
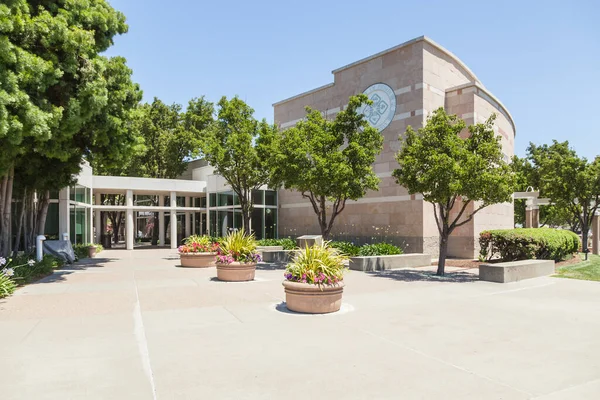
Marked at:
<point>197,260</point>
<point>313,299</point>
<point>236,272</point>
<point>92,251</point>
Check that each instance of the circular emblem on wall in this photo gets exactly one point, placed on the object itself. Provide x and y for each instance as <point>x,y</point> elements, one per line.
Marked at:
<point>382,111</point>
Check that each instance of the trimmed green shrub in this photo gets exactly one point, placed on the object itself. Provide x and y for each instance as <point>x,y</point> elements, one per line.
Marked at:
<point>528,243</point>
<point>379,249</point>
<point>287,243</point>
<point>346,248</point>
<point>28,270</point>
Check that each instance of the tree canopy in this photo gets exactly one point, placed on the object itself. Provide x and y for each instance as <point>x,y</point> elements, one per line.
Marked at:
<point>328,161</point>
<point>569,181</point>
<point>60,100</point>
<point>238,147</point>
<point>459,175</point>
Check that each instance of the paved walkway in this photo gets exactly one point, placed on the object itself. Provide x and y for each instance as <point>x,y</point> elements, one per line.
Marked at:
<point>132,325</point>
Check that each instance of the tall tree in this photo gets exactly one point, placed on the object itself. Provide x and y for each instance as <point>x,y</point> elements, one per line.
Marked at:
<point>460,176</point>
<point>238,147</point>
<point>52,83</point>
<point>569,181</point>
<point>328,161</point>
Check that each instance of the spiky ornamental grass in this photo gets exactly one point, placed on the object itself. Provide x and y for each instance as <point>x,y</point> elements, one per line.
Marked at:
<point>317,265</point>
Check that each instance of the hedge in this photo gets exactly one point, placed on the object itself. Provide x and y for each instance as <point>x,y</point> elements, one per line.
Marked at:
<point>528,243</point>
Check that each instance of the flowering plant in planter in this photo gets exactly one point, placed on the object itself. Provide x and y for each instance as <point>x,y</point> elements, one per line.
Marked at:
<point>238,247</point>
<point>317,265</point>
<point>198,244</point>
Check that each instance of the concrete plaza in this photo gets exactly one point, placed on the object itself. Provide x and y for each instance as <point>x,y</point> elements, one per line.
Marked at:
<point>132,325</point>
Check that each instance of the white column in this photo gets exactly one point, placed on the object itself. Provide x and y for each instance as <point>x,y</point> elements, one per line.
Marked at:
<point>97,218</point>
<point>173,220</point>
<point>188,222</point>
<point>129,221</point>
<point>63,212</point>
<point>161,221</point>
<point>207,231</point>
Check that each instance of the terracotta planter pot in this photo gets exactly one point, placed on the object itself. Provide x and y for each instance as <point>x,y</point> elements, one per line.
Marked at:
<point>92,251</point>
<point>236,272</point>
<point>313,299</point>
<point>197,260</point>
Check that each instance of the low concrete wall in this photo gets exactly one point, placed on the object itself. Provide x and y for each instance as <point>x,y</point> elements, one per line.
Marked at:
<point>514,271</point>
<point>380,263</point>
<point>277,256</point>
<point>268,248</point>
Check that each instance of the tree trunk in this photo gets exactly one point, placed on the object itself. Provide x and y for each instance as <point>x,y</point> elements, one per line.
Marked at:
<point>20,226</point>
<point>43,213</point>
<point>5,212</point>
<point>155,229</point>
<point>443,254</point>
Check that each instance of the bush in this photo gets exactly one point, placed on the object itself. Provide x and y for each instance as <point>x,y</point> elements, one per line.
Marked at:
<point>528,243</point>
<point>198,244</point>
<point>286,243</point>
<point>346,248</point>
<point>25,269</point>
<point>7,285</point>
<point>379,249</point>
<point>317,265</point>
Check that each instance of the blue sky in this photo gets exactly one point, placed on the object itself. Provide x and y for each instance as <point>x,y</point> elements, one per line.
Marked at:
<point>541,59</point>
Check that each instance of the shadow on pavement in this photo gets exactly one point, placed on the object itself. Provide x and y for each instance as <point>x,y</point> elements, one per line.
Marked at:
<point>406,275</point>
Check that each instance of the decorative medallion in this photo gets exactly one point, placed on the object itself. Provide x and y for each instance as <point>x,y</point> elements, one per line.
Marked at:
<point>382,111</point>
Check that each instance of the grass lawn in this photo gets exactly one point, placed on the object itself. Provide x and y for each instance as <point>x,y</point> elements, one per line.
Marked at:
<point>586,270</point>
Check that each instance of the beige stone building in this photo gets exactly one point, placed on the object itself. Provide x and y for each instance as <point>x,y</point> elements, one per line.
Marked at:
<point>406,83</point>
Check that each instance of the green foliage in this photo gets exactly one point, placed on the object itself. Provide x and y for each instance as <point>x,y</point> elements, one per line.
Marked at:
<point>379,249</point>
<point>328,160</point>
<point>25,270</point>
<point>60,99</point>
<point>346,248</point>
<point>571,182</point>
<point>7,286</point>
<point>81,250</point>
<point>239,147</point>
<point>528,243</point>
<point>286,243</point>
<point>454,171</point>
<point>238,246</point>
<point>317,265</point>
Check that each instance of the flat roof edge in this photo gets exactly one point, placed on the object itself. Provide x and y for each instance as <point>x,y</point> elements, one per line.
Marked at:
<point>303,94</point>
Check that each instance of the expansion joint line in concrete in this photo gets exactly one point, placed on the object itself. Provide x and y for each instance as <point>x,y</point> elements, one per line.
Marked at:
<point>142,342</point>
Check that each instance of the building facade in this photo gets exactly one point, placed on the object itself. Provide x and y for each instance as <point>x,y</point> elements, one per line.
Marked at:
<point>406,83</point>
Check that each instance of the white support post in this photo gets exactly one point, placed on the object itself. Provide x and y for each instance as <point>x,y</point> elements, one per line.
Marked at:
<point>129,221</point>
<point>39,248</point>
<point>173,220</point>
<point>188,222</point>
<point>161,221</point>
<point>63,211</point>
<point>98,218</point>
<point>207,231</point>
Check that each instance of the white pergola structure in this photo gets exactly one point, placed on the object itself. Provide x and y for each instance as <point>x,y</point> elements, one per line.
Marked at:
<point>147,186</point>
<point>532,204</point>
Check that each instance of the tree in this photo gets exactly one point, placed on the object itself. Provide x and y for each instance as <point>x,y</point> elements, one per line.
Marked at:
<point>459,176</point>
<point>237,146</point>
<point>569,181</point>
<point>328,161</point>
<point>52,83</point>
